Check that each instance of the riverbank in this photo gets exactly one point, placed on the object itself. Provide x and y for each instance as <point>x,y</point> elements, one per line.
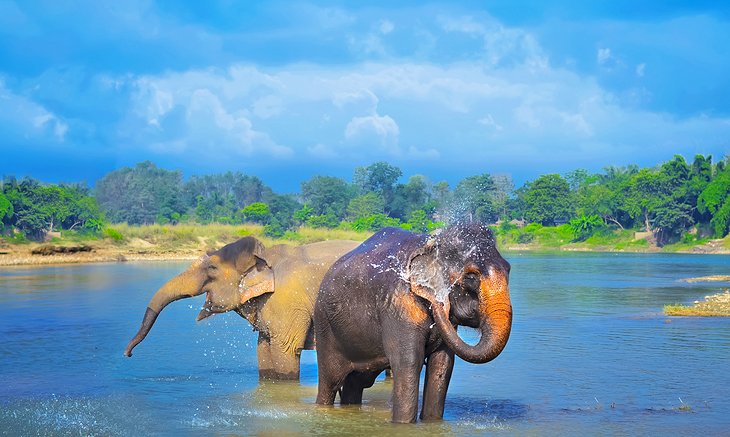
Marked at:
<point>153,243</point>
<point>716,305</point>
<point>186,242</point>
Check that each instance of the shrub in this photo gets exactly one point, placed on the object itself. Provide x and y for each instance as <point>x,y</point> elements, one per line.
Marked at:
<point>584,226</point>
<point>374,222</point>
<point>323,221</point>
<point>274,229</point>
<point>113,234</point>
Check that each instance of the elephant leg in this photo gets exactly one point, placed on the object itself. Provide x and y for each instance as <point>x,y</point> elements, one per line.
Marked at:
<point>439,366</point>
<point>355,384</point>
<point>406,362</point>
<point>285,365</point>
<point>332,371</point>
<point>263,351</point>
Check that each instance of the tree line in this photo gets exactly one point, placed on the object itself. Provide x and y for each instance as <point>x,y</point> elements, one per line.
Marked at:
<point>669,201</point>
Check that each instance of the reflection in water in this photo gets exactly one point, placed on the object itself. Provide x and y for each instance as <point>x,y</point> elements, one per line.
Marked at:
<point>590,353</point>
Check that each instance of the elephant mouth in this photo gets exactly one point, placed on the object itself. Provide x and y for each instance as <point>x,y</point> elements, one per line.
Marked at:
<point>209,309</point>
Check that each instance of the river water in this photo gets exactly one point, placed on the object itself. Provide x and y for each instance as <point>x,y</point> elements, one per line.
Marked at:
<point>590,354</point>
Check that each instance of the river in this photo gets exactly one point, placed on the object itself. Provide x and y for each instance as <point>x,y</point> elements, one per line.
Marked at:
<point>590,354</point>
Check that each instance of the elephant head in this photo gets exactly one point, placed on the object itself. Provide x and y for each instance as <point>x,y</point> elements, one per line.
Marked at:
<point>230,276</point>
<point>466,280</point>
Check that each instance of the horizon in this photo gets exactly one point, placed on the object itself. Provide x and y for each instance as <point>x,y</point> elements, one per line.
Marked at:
<point>288,90</point>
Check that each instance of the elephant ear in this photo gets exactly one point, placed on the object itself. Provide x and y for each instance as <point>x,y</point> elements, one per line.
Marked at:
<point>257,281</point>
<point>427,273</point>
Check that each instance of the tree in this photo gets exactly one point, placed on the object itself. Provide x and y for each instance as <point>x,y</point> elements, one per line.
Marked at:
<point>410,196</point>
<point>473,199</point>
<point>257,212</point>
<point>142,194</point>
<point>6,211</point>
<point>327,195</point>
<point>303,214</point>
<point>503,188</point>
<point>283,208</point>
<point>39,209</point>
<point>583,226</point>
<point>379,178</point>
<point>715,200</point>
<point>365,205</point>
<point>239,190</point>
<point>546,199</point>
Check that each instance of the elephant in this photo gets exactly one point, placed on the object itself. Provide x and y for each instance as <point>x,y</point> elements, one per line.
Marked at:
<point>378,305</point>
<point>273,288</point>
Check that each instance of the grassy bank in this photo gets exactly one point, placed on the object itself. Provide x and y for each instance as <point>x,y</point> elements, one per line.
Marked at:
<point>560,238</point>
<point>713,306</point>
<point>187,241</point>
<point>122,242</point>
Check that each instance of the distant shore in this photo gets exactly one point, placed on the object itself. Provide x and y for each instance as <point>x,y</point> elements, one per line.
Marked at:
<point>187,242</point>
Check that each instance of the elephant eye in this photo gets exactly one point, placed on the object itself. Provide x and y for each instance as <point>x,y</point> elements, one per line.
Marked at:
<point>212,270</point>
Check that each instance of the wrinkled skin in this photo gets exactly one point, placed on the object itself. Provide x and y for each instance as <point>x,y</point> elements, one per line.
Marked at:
<point>274,289</point>
<point>396,300</point>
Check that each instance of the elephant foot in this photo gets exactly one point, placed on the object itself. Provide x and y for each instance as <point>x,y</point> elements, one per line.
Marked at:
<point>273,375</point>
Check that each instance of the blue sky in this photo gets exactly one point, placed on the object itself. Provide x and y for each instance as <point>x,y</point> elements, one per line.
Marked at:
<point>287,90</point>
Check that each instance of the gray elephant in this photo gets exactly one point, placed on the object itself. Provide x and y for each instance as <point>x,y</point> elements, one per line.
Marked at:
<point>274,289</point>
<point>396,301</point>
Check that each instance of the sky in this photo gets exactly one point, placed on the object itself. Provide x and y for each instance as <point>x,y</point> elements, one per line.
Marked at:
<point>288,90</point>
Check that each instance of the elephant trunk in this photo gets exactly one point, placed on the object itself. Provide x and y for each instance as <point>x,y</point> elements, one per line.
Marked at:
<point>187,284</point>
<point>495,325</point>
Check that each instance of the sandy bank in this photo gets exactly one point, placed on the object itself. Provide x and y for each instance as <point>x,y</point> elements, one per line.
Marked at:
<point>717,305</point>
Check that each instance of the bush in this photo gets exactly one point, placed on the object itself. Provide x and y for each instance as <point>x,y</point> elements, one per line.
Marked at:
<point>257,212</point>
<point>374,222</point>
<point>114,234</point>
<point>525,238</point>
<point>274,229</point>
<point>323,221</point>
<point>584,226</point>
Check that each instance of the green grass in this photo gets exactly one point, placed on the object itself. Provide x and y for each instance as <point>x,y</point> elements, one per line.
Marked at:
<point>693,311</point>
<point>167,237</point>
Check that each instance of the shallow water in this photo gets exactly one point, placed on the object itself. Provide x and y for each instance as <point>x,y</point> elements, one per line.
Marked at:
<point>590,354</point>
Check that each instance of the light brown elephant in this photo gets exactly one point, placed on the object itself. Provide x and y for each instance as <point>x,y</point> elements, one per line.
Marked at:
<point>273,288</point>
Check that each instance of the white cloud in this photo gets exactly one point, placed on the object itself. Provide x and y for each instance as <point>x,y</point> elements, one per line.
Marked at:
<point>320,150</point>
<point>207,122</point>
<point>383,129</point>
<point>603,55</point>
<point>500,43</point>
<point>25,118</point>
<point>247,109</point>
<point>490,123</point>
<point>386,26</point>
<point>641,70</point>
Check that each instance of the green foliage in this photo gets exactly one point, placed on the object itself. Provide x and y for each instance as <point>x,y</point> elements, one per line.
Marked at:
<point>419,222</point>
<point>473,199</point>
<point>38,208</point>
<point>715,200</point>
<point>547,199</point>
<point>303,214</point>
<point>328,220</point>
<point>584,226</point>
<point>365,205</point>
<point>374,222</point>
<point>141,194</point>
<point>6,211</point>
<point>257,212</point>
<point>114,234</point>
<point>274,229</point>
<point>666,200</point>
<point>327,195</point>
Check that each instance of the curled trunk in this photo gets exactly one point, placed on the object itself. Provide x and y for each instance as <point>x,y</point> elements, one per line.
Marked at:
<point>187,284</point>
<point>495,325</point>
